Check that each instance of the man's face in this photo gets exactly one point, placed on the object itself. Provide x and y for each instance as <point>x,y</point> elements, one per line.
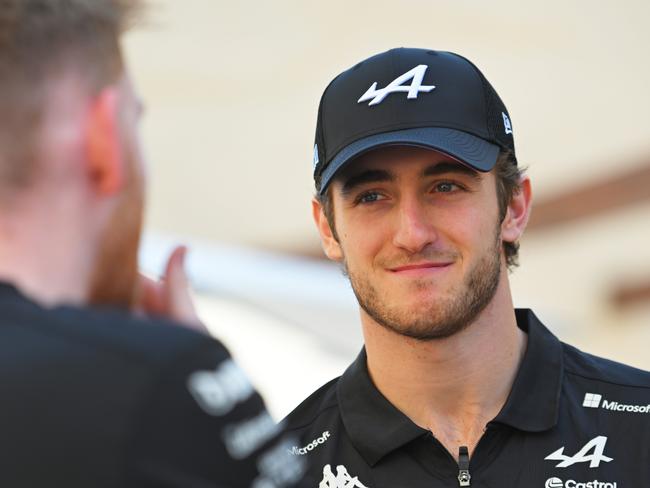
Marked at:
<point>115,280</point>
<point>419,237</point>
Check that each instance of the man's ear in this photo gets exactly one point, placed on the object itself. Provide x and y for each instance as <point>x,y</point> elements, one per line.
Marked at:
<point>518,212</point>
<point>330,245</point>
<point>104,149</point>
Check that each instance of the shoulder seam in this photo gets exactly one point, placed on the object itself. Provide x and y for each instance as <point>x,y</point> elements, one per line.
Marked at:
<point>90,341</point>
<point>306,424</point>
<point>602,380</point>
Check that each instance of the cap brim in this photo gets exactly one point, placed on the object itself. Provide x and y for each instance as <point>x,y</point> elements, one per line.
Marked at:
<point>467,148</point>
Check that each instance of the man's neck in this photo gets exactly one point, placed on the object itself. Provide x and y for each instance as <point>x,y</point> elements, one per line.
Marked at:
<point>452,386</point>
<point>42,257</point>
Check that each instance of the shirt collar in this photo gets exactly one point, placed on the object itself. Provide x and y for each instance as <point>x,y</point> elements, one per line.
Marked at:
<point>376,427</point>
<point>534,401</point>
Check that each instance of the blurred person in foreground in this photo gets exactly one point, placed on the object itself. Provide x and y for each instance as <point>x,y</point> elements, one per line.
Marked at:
<point>93,394</point>
<point>420,197</point>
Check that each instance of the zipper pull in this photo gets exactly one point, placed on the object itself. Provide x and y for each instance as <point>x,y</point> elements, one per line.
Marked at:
<point>463,466</point>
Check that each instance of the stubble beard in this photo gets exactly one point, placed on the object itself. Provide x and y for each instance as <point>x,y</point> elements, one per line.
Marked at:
<point>115,279</point>
<point>442,317</point>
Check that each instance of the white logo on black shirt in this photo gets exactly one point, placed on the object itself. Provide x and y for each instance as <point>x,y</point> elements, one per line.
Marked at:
<point>416,75</point>
<point>301,451</point>
<point>558,483</point>
<point>341,480</point>
<point>597,444</point>
<point>554,483</point>
<point>594,400</point>
<point>217,392</point>
<point>243,438</point>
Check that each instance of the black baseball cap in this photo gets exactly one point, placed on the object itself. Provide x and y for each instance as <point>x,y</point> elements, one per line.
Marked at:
<point>405,96</point>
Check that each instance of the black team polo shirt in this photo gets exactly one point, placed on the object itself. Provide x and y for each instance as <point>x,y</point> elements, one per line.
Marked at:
<point>572,420</point>
<point>101,399</point>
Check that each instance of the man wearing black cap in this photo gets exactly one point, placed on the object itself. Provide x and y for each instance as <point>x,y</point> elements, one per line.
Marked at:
<point>420,198</point>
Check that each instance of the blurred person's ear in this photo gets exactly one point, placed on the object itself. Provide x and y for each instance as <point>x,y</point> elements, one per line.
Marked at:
<point>518,212</point>
<point>330,244</point>
<point>104,150</point>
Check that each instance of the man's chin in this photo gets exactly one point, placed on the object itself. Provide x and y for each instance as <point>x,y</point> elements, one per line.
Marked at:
<point>424,328</point>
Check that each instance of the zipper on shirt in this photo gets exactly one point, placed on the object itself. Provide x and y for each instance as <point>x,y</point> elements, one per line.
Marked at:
<point>463,466</point>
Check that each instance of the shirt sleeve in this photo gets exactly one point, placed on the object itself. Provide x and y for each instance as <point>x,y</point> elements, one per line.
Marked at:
<point>204,425</point>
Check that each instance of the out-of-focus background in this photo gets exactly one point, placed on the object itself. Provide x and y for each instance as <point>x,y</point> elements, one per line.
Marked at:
<point>232,90</point>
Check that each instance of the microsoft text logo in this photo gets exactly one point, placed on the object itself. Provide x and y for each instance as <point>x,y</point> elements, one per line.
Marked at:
<point>594,400</point>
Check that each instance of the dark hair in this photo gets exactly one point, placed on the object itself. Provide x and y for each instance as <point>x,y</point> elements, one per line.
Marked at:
<point>508,180</point>
<point>39,41</point>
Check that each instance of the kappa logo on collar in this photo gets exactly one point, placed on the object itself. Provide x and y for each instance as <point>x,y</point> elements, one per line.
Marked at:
<point>341,480</point>
<point>416,75</point>
<point>597,445</point>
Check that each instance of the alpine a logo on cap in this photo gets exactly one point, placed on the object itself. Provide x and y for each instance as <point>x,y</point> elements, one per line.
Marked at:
<point>416,75</point>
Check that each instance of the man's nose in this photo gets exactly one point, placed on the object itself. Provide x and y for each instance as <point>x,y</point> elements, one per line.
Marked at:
<point>414,229</point>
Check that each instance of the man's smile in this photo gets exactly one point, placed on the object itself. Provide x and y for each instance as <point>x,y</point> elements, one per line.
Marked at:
<point>421,269</point>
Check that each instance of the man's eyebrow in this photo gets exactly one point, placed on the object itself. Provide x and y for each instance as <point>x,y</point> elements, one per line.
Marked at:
<point>443,168</point>
<point>369,176</point>
<point>380,175</point>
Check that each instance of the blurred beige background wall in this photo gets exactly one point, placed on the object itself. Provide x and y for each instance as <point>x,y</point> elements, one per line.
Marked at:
<point>232,90</point>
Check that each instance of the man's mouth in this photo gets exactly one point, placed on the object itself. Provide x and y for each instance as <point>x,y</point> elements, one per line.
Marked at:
<point>429,266</point>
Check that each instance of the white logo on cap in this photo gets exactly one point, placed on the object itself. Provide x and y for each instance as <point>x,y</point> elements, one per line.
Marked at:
<point>315,156</point>
<point>506,123</point>
<point>416,74</point>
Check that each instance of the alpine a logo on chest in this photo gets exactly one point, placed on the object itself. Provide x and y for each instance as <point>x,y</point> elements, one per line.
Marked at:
<point>592,452</point>
<point>416,75</point>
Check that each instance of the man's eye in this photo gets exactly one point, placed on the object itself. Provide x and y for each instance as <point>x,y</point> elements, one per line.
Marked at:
<point>446,187</point>
<point>369,197</point>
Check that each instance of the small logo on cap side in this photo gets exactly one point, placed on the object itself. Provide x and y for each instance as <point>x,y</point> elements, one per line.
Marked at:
<point>416,75</point>
<point>315,160</point>
<point>506,123</point>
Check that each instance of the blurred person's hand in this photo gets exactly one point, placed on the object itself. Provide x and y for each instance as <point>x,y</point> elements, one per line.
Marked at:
<point>169,296</point>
